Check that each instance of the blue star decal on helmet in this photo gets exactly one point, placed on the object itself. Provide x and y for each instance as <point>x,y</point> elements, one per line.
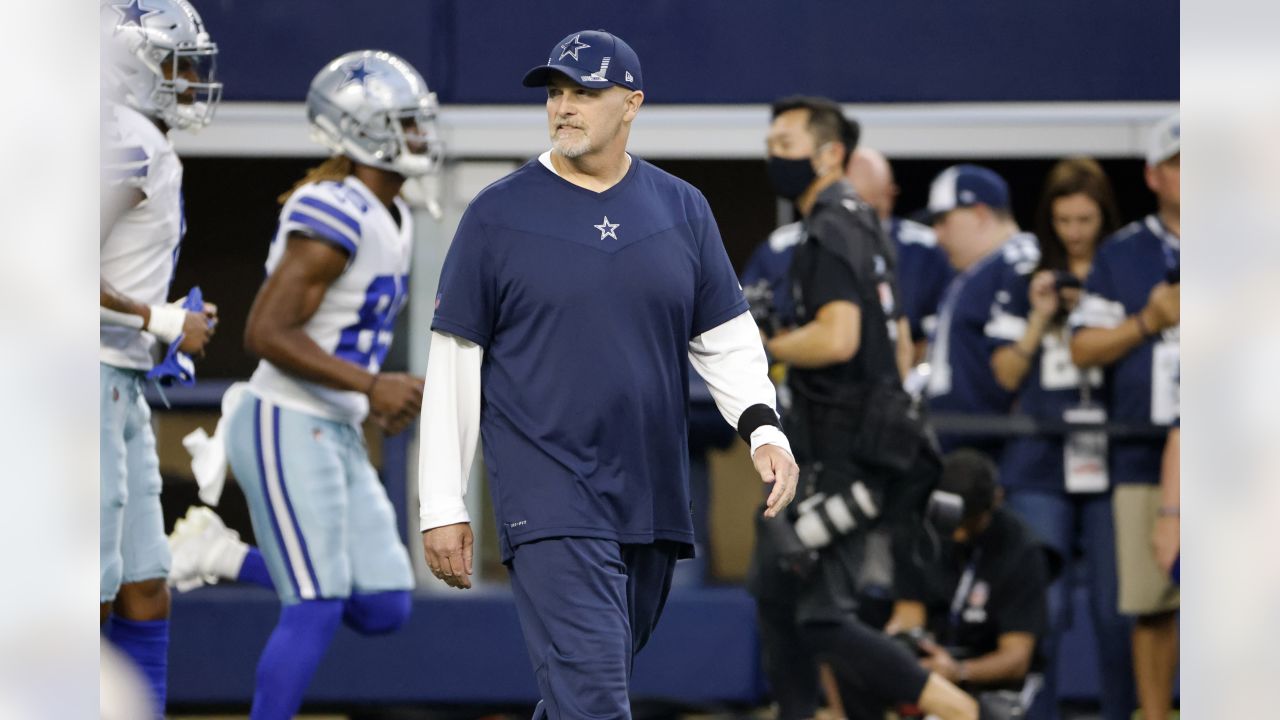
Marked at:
<point>356,73</point>
<point>132,13</point>
<point>572,51</point>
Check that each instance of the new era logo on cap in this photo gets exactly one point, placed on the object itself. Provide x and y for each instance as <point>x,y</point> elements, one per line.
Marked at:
<point>591,58</point>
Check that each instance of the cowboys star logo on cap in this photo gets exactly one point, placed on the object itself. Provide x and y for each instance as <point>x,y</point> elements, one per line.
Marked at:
<point>591,58</point>
<point>576,44</point>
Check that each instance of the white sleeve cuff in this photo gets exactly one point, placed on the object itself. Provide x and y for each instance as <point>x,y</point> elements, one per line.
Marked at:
<point>442,514</point>
<point>769,435</point>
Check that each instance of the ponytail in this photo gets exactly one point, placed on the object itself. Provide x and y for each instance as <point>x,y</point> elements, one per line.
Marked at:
<point>335,168</point>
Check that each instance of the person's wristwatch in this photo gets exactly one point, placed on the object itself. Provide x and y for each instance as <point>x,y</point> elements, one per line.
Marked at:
<point>1172,511</point>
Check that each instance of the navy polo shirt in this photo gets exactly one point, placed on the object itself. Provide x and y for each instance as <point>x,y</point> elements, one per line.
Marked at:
<point>585,304</point>
<point>1141,387</point>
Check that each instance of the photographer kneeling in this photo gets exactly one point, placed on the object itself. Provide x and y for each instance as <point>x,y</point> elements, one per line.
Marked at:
<point>977,621</point>
<point>865,457</point>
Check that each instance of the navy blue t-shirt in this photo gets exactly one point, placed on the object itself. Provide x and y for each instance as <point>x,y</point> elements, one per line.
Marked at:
<point>584,304</point>
<point>1050,387</point>
<point>961,379</point>
<point>1142,386</point>
<point>923,273</point>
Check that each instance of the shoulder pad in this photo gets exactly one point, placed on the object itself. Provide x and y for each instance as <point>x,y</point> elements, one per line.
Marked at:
<point>328,210</point>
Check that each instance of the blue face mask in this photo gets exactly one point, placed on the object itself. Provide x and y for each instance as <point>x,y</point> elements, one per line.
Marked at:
<point>790,178</point>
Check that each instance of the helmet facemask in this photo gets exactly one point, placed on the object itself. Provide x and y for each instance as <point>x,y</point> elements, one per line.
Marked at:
<point>187,93</point>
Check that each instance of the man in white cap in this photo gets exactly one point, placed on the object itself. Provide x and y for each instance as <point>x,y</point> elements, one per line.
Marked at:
<point>1127,322</point>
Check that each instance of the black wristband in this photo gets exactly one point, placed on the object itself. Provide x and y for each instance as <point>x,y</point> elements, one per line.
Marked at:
<point>754,417</point>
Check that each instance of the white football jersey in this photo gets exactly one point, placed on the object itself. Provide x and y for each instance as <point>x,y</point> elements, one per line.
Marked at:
<point>139,254</point>
<point>356,317</point>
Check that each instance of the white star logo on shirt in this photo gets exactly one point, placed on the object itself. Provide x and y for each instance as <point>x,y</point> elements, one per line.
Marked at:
<point>608,229</point>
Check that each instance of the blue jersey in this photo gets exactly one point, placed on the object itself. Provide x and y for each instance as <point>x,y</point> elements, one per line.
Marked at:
<point>961,379</point>
<point>1052,385</point>
<point>923,273</point>
<point>771,262</point>
<point>1142,386</point>
<point>585,304</point>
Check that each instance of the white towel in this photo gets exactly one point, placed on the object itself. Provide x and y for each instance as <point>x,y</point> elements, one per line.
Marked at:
<point>209,454</point>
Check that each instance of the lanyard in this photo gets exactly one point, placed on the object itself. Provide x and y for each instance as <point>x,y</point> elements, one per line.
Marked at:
<point>962,592</point>
<point>1169,243</point>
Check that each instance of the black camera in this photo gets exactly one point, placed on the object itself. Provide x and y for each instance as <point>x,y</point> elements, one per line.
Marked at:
<point>913,640</point>
<point>1063,280</point>
<point>759,297</point>
<point>811,525</point>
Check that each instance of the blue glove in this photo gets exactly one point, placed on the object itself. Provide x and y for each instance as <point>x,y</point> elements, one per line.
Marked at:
<point>177,366</point>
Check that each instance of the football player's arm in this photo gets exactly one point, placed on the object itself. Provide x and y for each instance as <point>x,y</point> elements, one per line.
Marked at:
<point>116,201</point>
<point>732,361</point>
<point>275,332</point>
<point>450,432</point>
<point>830,338</point>
<point>290,296</point>
<point>166,322</point>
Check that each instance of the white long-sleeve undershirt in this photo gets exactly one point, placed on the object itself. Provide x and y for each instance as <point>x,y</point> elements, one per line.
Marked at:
<point>730,357</point>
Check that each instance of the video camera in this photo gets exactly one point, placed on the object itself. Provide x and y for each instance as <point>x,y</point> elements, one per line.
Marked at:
<point>811,525</point>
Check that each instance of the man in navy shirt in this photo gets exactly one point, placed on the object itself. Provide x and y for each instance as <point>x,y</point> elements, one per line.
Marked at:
<point>923,270</point>
<point>1127,322</point>
<point>969,205</point>
<point>576,293</point>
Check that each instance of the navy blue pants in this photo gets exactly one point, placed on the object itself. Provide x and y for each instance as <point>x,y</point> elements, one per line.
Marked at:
<point>586,607</point>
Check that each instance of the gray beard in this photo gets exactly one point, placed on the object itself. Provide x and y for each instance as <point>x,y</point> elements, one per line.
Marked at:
<point>572,150</point>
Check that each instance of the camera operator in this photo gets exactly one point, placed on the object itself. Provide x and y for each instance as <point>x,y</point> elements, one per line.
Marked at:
<point>977,622</point>
<point>865,455</point>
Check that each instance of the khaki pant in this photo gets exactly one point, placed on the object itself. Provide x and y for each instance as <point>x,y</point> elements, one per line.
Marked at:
<point>1145,589</point>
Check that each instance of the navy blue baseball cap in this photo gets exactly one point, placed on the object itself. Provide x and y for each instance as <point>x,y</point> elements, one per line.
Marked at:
<point>591,58</point>
<point>965,186</point>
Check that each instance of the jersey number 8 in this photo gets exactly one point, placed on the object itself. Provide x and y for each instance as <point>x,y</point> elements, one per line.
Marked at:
<point>365,343</point>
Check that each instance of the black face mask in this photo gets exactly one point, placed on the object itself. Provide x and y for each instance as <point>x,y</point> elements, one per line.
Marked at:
<point>790,178</point>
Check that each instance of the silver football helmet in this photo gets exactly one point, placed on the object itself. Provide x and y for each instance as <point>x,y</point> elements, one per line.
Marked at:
<point>373,107</point>
<point>162,62</point>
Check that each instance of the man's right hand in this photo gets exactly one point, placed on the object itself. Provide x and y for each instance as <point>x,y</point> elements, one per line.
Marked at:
<point>198,329</point>
<point>395,400</point>
<point>1164,307</point>
<point>448,552</point>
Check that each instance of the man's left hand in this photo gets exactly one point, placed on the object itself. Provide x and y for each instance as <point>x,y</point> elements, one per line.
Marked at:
<point>939,661</point>
<point>776,466</point>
